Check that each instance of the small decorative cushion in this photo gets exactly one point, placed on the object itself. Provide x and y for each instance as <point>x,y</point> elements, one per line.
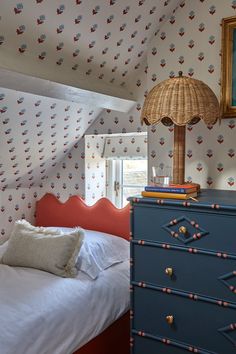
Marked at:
<point>44,249</point>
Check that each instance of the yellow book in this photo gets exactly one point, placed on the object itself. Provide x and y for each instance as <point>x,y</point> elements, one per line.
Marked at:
<point>169,195</point>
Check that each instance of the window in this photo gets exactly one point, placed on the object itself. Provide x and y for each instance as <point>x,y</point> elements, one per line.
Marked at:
<point>126,178</point>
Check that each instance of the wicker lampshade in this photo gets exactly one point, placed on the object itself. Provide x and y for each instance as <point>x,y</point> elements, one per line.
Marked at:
<point>180,100</point>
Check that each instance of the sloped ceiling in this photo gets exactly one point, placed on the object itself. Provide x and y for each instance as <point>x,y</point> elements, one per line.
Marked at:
<point>106,39</point>
<point>94,45</point>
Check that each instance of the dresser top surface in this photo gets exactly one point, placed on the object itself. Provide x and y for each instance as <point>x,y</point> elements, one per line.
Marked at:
<point>208,198</point>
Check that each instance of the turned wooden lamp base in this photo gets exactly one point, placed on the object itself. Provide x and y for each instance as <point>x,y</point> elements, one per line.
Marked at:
<point>179,154</point>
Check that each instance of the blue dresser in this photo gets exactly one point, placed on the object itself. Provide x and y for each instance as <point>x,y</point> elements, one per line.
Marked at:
<point>183,274</point>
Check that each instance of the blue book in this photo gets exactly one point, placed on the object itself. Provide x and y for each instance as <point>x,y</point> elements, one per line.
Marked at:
<point>172,189</point>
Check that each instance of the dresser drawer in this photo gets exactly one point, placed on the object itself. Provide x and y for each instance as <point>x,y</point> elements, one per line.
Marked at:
<point>198,323</point>
<point>181,226</point>
<point>142,345</point>
<point>200,272</point>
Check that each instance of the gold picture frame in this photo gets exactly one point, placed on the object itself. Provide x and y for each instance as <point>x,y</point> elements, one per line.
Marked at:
<point>228,68</point>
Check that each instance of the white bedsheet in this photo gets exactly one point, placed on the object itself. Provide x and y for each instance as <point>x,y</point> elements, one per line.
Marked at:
<point>41,313</point>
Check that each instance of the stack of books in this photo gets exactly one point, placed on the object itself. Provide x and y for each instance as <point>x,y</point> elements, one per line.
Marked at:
<point>172,191</point>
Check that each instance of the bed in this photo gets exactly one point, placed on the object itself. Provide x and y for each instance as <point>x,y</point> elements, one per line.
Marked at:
<point>90,318</point>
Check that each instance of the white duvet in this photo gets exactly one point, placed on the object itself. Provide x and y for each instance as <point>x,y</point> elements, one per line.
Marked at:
<point>41,313</point>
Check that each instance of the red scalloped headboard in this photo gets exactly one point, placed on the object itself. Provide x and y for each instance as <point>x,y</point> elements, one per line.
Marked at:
<point>102,216</point>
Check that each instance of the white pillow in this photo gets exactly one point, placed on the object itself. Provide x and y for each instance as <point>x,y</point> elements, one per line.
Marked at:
<point>99,251</point>
<point>44,249</point>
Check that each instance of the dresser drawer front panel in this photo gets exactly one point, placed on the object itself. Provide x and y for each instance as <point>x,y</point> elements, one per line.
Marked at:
<point>195,322</point>
<point>143,345</point>
<point>204,229</point>
<point>197,273</point>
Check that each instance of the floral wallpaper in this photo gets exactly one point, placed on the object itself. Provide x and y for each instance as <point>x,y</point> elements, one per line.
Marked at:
<point>105,39</point>
<point>69,176</point>
<point>95,168</point>
<point>43,145</point>
<point>37,134</point>
<point>190,41</point>
<point>16,204</point>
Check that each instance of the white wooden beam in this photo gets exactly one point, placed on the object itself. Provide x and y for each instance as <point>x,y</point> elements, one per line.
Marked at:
<point>42,87</point>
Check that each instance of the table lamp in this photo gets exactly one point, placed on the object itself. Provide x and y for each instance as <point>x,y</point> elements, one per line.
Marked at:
<point>180,100</point>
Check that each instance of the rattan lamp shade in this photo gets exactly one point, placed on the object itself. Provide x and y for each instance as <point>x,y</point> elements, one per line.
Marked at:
<point>180,100</point>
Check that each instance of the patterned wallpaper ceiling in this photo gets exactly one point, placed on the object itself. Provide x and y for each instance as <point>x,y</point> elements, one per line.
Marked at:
<point>105,39</point>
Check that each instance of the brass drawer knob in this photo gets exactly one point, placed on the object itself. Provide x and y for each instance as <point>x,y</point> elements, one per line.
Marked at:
<point>183,230</point>
<point>169,271</point>
<point>170,319</point>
